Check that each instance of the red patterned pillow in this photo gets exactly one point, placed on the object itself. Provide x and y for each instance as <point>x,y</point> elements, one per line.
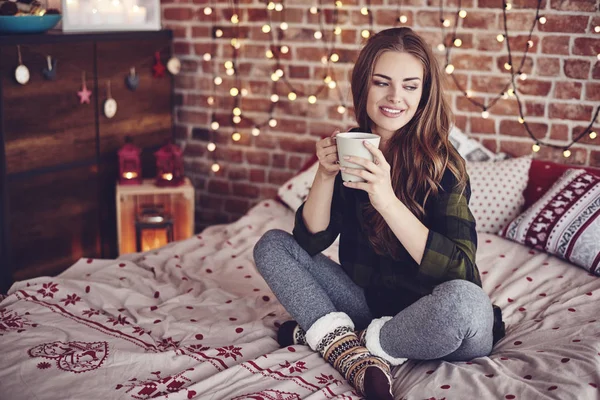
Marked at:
<point>542,175</point>
<point>565,222</point>
<point>497,191</point>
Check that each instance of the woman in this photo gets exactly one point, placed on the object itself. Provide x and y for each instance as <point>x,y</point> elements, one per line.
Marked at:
<point>407,286</point>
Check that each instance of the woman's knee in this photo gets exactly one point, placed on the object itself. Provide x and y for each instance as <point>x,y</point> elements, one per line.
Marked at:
<point>269,242</point>
<point>464,297</point>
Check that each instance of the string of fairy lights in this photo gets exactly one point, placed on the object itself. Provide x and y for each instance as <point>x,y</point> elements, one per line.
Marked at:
<point>328,33</point>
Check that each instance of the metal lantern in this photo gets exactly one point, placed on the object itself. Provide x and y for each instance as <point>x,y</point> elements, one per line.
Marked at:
<point>169,166</point>
<point>130,167</point>
<point>153,228</point>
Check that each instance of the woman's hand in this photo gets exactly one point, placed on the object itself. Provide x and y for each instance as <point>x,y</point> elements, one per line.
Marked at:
<point>377,176</point>
<point>328,157</point>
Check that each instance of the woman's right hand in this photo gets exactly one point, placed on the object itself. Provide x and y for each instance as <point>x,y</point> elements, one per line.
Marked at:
<point>328,157</point>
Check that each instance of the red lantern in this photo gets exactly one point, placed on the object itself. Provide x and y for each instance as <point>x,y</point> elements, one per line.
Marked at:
<point>169,166</point>
<point>130,168</point>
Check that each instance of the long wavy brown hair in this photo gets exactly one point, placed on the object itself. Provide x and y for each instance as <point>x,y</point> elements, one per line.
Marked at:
<point>420,151</point>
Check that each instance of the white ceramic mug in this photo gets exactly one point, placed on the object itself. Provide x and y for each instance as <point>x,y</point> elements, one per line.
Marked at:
<point>351,144</point>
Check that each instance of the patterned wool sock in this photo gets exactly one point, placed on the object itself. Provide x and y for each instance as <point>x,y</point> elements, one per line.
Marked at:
<point>332,335</point>
<point>290,333</point>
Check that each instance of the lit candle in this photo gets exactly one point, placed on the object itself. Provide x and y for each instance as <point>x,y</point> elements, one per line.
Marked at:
<point>130,175</point>
<point>137,15</point>
<point>167,176</point>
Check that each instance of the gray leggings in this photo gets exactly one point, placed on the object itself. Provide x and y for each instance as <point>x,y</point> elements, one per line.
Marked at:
<point>453,323</point>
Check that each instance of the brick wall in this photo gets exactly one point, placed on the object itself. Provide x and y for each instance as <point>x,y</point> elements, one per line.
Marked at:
<point>559,96</point>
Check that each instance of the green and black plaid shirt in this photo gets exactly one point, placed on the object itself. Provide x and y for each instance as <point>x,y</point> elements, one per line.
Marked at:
<point>392,285</point>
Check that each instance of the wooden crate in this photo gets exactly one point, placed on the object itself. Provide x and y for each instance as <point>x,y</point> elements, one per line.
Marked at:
<point>178,202</point>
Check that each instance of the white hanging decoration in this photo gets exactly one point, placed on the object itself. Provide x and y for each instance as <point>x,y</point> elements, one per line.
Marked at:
<point>21,72</point>
<point>110,105</point>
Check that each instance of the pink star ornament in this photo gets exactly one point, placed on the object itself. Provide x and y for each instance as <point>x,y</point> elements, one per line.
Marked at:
<point>84,95</point>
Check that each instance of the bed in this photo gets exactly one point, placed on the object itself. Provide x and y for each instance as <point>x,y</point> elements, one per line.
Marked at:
<point>194,320</point>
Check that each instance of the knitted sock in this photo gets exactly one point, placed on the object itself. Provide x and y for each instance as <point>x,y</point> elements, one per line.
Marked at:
<point>291,333</point>
<point>332,335</point>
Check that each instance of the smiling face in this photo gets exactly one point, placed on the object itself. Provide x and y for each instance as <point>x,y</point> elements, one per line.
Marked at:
<point>394,92</point>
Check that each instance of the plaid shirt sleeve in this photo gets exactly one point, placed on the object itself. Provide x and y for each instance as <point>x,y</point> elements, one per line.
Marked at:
<point>319,241</point>
<point>452,240</point>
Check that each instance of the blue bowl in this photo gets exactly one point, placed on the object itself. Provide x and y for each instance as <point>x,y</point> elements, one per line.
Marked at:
<point>28,23</point>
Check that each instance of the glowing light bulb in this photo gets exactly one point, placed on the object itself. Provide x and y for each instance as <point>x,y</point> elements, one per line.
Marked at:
<point>274,77</point>
<point>521,120</point>
<point>211,146</point>
<point>230,72</point>
<point>236,136</point>
<point>235,43</point>
<point>530,43</point>
<point>292,96</point>
<point>457,42</point>
<point>500,38</point>
<point>542,20</point>
<point>337,30</point>
<point>341,109</point>
<point>278,7</point>
<point>255,131</point>
<point>441,47</point>
<point>269,54</point>
<point>449,69</point>
<point>523,76</point>
<point>312,99</point>
<point>338,4</point>
<point>283,26</point>
<point>236,119</point>
<point>597,29</point>
<point>511,92</point>
<point>334,57</point>
<point>535,147</point>
<point>271,6</point>
<point>214,125</point>
<point>285,49</point>
<point>403,19</point>
<point>266,28</point>
<point>365,33</point>
<point>279,72</point>
<point>332,85</point>
<point>462,14</point>
<point>244,92</point>
<point>508,6</point>
<point>446,23</point>
<point>210,100</point>
<point>504,96</point>
<point>314,10</point>
<point>206,57</point>
<point>274,98</point>
<point>364,11</point>
<point>485,114</point>
<point>218,80</point>
<point>324,60</point>
<point>207,10</point>
<point>507,66</point>
<point>237,111</point>
<point>567,153</point>
<point>318,35</point>
<point>272,122</point>
<point>593,135</point>
<point>228,64</point>
<point>215,167</point>
<point>469,93</point>
<point>235,19</point>
<point>327,79</point>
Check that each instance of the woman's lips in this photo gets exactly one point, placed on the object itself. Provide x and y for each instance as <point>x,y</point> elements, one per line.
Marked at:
<point>391,112</point>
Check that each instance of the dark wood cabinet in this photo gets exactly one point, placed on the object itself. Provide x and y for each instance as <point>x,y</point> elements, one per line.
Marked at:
<point>59,161</point>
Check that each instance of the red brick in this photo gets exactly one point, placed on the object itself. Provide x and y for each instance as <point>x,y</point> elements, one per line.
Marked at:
<point>219,186</point>
<point>559,132</point>
<point>279,160</point>
<point>245,190</point>
<point>208,201</point>
<point>387,18</point>
<point>516,21</point>
<point>592,91</point>
<point>567,90</point>
<point>516,148</point>
<point>595,158</point>
<point>547,66</point>
<point>534,87</point>
<point>585,134</point>
<point>192,117</point>
<point>489,43</point>
<point>279,177</point>
<point>427,18</point>
<point>482,125</point>
<point>299,72</point>
<point>519,4</point>
<point>519,44</point>
<point>178,13</point>
<point>479,20</point>
<point>574,5</point>
<point>457,82</point>
<point>472,62</point>
<point>569,111</point>
<point>505,107</point>
<point>461,122</point>
<point>578,155</point>
<point>490,144</point>
<point>577,69</point>
<point>295,162</point>
<point>596,71</point>
<point>257,157</point>
<point>297,145</point>
<point>309,53</point>
<point>564,23</point>
<point>518,64</point>
<point>464,104</point>
<point>556,45</point>
<point>268,192</point>
<point>586,46</point>
<point>231,155</point>
<point>514,128</point>
<point>257,175</point>
<point>237,174</point>
<point>265,140</point>
<point>489,84</point>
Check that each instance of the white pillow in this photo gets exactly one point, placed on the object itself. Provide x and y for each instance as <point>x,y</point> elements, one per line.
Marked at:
<point>497,191</point>
<point>295,191</point>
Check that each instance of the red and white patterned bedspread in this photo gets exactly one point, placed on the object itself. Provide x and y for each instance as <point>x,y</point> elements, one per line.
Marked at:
<point>194,320</point>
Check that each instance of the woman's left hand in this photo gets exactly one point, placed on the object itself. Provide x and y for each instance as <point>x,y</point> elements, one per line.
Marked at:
<point>377,176</point>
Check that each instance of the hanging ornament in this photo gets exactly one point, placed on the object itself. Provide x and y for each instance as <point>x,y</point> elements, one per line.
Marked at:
<point>174,65</point>
<point>21,72</point>
<point>132,81</point>
<point>110,105</point>
<point>50,71</point>
<point>84,94</point>
<point>158,68</point>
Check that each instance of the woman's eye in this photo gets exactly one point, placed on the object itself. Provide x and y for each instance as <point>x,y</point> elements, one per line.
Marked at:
<point>379,83</point>
<point>411,88</point>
